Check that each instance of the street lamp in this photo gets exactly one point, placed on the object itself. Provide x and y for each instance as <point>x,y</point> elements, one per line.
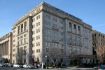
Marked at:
<point>46,60</point>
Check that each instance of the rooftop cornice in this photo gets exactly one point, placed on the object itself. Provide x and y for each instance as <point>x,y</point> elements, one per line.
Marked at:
<point>95,31</point>
<point>49,8</point>
<point>5,36</point>
<point>60,11</point>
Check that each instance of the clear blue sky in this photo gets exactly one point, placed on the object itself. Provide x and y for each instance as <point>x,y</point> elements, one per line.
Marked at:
<point>90,11</point>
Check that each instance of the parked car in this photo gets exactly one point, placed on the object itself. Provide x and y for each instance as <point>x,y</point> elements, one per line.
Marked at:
<point>16,65</point>
<point>96,67</point>
<point>5,65</point>
<point>10,65</point>
<point>101,67</point>
<point>28,66</point>
<point>1,65</point>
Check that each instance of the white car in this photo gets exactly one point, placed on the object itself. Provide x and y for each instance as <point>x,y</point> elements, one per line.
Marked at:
<point>1,65</point>
<point>28,66</point>
<point>16,65</point>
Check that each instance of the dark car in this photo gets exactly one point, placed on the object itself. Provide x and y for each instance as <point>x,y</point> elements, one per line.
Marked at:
<point>101,67</point>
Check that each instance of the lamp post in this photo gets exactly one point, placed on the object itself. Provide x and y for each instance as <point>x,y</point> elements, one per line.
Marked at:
<point>46,60</point>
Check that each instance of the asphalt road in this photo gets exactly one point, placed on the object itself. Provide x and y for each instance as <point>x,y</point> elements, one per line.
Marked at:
<point>70,68</point>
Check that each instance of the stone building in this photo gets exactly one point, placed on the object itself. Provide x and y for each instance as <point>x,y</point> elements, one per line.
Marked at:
<point>22,40</point>
<point>48,34</point>
<point>99,46</point>
<point>6,47</point>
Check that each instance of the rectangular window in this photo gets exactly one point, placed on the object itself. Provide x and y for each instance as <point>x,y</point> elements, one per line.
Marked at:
<point>38,44</point>
<point>47,49</point>
<point>18,43</point>
<point>21,41</point>
<point>48,16</point>
<point>70,25</point>
<point>25,26</point>
<point>74,26</point>
<point>25,41</point>
<point>21,37</point>
<point>25,35</point>
<point>13,55</point>
<point>18,29</point>
<point>79,28</point>
<point>25,47</point>
<point>37,37</point>
<point>55,19</point>
<point>13,50</point>
<point>37,24</point>
<point>38,17</point>
<point>38,50</point>
<point>21,27</point>
<point>37,30</point>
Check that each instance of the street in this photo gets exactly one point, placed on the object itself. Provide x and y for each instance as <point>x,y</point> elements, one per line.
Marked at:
<point>70,68</point>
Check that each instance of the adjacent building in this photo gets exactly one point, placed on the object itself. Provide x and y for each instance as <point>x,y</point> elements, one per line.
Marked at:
<point>48,34</point>
<point>6,47</point>
<point>99,45</point>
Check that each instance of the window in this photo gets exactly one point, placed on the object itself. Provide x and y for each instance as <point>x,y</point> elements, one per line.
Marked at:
<point>13,55</point>
<point>18,29</point>
<point>37,24</point>
<point>74,26</point>
<point>24,35</point>
<point>21,37</point>
<point>38,44</point>
<point>13,50</point>
<point>18,43</point>
<point>33,45</point>
<point>48,16</point>
<point>79,28</point>
<point>55,19</point>
<point>21,27</point>
<point>21,41</point>
<point>70,25</point>
<point>38,50</point>
<point>25,47</point>
<point>37,37</point>
<point>25,40</point>
<point>62,50</point>
<point>37,30</point>
<point>33,26</point>
<point>25,26</point>
<point>47,49</point>
<point>38,17</point>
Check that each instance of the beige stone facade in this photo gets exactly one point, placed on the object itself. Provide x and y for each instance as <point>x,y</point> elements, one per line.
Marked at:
<point>6,46</point>
<point>48,32</point>
<point>22,41</point>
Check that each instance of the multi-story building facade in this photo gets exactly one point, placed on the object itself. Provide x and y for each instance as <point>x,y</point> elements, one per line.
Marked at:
<point>6,46</point>
<point>22,40</point>
<point>51,34</point>
<point>99,45</point>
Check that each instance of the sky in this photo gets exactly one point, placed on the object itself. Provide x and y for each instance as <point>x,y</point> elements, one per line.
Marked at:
<point>91,12</point>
